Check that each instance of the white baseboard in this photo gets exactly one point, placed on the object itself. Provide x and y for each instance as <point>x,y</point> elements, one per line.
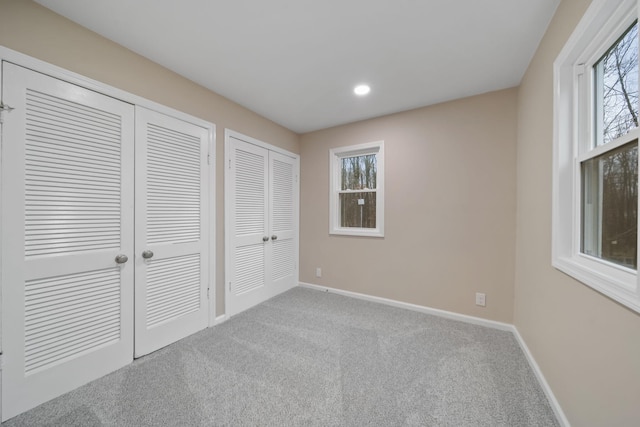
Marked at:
<point>220,319</point>
<point>555,405</point>
<point>428,310</point>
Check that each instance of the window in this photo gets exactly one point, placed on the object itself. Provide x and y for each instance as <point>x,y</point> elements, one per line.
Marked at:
<point>357,190</point>
<point>609,165</point>
<point>595,182</point>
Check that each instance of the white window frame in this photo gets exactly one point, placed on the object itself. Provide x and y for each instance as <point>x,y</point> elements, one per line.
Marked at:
<point>603,23</point>
<point>335,157</point>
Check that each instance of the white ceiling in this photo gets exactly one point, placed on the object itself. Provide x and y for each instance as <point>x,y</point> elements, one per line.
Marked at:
<point>296,61</point>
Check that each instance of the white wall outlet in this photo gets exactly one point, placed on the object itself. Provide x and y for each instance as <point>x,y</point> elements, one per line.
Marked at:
<point>318,272</point>
<point>481,299</point>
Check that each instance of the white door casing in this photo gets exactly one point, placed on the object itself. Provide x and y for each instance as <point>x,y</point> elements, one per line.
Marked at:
<point>67,199</point>
<point>261,194</point>
<point>171,230</point>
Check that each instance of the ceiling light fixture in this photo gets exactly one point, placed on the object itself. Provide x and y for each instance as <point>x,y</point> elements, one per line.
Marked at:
<point>362,90</point>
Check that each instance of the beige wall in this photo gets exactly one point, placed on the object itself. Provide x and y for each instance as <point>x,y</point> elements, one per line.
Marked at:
<point>31,29</point>
<point>449,208</point>
<point>587,346</point>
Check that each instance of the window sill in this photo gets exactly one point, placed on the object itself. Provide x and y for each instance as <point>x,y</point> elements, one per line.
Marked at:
<point>357,232</point>
<point>620,287</point>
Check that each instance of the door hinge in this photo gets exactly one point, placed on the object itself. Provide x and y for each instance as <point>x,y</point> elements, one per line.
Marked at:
<point>208,293</point>
<point>229,286</point>
<point>208,159</point>
<point>4,108</point>
<point>579,69</point>
<point>229,163</point>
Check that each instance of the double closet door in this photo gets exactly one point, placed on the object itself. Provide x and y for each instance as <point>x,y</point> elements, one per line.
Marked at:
<point>262,222</point>
<point>104,235</point>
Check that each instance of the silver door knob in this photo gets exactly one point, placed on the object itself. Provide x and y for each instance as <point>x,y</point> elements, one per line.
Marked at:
<point>265,239</point>
<point>274,237</point>
<point>121,259</point>
<point>147,254</point>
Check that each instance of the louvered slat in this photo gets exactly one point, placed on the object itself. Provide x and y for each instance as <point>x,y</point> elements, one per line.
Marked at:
<point>283,259</point>
<point>68,315</point>
<point>249,193</point>
<point>173,186</point>
<point>72,176</point>
<point>249,268</point>
<point>173,288</point>
<point>282,215</point>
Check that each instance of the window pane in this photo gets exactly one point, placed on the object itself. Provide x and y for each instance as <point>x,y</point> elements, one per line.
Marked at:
<point>617,88</point>
<point>610,205</point>
<point>358,210</point>
<point>359,172</point>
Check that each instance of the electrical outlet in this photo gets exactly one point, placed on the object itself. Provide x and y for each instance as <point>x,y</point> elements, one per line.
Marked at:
<point>481,299</point>
<point>318,272</point>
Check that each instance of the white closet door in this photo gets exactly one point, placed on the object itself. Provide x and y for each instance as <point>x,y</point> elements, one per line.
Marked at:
<point>262,219</point>
<point>283,220</point>
<point>67,213</point>
<point>248,225</point>
<point>171,230</point>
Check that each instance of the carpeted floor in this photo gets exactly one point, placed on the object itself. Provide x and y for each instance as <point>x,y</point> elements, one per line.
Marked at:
<point>310,358</point>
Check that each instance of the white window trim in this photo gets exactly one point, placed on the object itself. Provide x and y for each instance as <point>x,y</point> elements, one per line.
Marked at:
<point>603,22</point>
<point>335,154</point>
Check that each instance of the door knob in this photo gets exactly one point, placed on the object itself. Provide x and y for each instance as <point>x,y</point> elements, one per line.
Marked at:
<point>147,254</point>
<point>265,239</point>
<point>274,237</point>
<point>121,259</point>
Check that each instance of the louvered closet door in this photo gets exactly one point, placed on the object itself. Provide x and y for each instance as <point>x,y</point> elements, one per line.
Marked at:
<point>283,219</point>
<point>248,207</point>
<point>67,212</point>
<point>171,230</point>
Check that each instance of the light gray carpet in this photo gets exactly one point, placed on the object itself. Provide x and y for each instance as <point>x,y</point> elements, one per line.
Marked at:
<point>310,358</point>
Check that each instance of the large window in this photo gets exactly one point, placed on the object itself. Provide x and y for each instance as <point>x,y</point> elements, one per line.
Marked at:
<point>609,164</point>
<point>595,204</point>
<point>357,190</point>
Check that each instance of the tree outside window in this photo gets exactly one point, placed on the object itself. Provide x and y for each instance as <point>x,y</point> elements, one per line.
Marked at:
<point>610,180</point>
<point>357,187</point>
<point>358,191</point>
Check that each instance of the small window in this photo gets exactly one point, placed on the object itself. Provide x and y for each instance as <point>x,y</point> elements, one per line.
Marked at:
<point>595,182</point>
<point>357,190</point>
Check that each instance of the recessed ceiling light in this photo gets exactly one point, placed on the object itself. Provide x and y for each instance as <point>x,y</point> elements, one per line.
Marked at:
<point>362,90</point>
